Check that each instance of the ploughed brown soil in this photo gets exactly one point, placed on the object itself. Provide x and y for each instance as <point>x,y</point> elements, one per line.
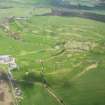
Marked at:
<point>5,93</point>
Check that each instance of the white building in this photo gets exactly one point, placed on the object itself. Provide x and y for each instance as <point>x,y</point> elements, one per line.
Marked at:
<point>9,60</point>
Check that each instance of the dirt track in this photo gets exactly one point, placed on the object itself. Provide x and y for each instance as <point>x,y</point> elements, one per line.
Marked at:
<point>5,94</point>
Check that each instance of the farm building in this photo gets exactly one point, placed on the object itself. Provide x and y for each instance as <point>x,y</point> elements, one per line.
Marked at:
<point>9,60</point>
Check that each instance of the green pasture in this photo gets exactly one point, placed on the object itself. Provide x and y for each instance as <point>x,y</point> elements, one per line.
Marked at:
<point>72,51</point>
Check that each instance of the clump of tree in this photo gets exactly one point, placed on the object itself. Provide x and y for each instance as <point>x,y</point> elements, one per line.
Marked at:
<point>32,77</point>
<point>100,3</point>
<point>3,75</point>
<point>56,2</point>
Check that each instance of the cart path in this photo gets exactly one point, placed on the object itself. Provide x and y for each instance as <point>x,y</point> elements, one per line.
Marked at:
<point>92,66</point>
<point>59,100</point>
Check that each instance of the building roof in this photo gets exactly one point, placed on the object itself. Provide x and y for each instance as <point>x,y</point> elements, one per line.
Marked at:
<point>6,59</point>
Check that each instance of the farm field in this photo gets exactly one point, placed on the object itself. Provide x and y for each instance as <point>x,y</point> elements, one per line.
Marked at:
<point>61,60</point>
<point>72,51</point>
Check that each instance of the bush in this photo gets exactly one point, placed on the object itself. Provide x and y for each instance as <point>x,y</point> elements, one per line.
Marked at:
<point>32,77</point>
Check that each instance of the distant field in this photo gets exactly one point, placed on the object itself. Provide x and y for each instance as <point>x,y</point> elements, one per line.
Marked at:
<point>72,51</point>
<point>41,11</point>
<point>18,12</point>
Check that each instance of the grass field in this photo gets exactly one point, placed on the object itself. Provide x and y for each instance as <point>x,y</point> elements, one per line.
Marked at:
<point>72,51</point>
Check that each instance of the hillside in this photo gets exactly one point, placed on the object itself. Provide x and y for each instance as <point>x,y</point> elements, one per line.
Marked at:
<point>60,59</point>
<point>72,52</point>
